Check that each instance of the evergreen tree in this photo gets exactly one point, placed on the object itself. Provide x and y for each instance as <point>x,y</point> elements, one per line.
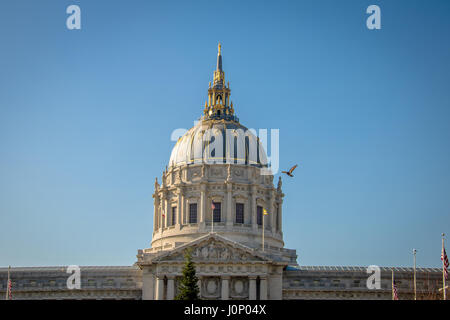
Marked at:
<point>188,289</point>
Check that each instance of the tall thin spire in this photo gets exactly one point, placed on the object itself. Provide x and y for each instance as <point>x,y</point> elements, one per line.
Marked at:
<point>219,58</point>
<point>219,75</point>
<point>219,105</point>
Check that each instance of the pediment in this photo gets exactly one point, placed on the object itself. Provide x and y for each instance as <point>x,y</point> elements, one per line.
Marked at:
<point>213,248</point>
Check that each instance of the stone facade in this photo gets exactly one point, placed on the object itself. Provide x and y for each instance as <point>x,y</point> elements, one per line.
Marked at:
<point>218,281</point>
<point>226,269</point>
<point>350,283</point>
<point>97,283</point>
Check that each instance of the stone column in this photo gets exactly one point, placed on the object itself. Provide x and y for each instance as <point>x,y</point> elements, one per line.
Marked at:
<point>161,218</point>
<point>272,213</point>
<point>179,208</point>
<point>280,215</point>
<point>229,219</point>
<point>202,220</point>
<point>159,288</point>
<point>155,212</point>
<point>148,285</point>
<point>183,209</point>
<point>252,288</point>
<point>183,206</point>
<point>263,289</point>
<point>170,288</point>
<point>166,211</point>
<point>225,288</point>
<point>253,201</point>
<point>199,284</point>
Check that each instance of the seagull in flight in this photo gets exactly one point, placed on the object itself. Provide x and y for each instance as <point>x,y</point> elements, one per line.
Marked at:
<point>289,173</point>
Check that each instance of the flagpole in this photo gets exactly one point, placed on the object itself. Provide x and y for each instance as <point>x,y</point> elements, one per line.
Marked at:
<point>415,288</point>
<point>7,284</point>
<point>392,284</point>
<point>443,269</point>
<point>263,216</point>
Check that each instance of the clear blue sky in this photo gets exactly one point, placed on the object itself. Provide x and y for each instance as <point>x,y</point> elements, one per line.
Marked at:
<point>86,118</point>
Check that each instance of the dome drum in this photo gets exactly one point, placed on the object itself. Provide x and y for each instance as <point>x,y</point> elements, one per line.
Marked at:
<point>183,204</point>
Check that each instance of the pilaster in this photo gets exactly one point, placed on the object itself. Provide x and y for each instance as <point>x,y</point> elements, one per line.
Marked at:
<point>253,208</point>
<point>159,288</point>
<point>229,218</point>
<point>202,220</point>
<point>148,285</point>
<point>225,288</point>
<point>252,288</point>
<point>263,289</point>
<point>170,288</point>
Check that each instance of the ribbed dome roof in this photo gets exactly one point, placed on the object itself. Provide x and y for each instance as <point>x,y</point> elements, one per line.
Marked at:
<point>218,141</point>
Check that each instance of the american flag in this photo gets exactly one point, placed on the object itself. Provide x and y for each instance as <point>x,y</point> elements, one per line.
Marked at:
<point>213,206</point>
<point>444,259</point>
<point>394,291</point>
<point>9,290</point>
<point>9,286</point>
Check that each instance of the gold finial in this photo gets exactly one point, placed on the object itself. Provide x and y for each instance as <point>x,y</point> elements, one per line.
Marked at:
<point>220,46</point>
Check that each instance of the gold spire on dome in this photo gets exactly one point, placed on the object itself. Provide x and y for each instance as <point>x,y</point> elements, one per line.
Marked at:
<point>219,105</point>
<point>219,75</point>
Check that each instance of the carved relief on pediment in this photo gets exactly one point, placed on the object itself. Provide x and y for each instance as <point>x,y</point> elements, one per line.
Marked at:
<point>214,251</point>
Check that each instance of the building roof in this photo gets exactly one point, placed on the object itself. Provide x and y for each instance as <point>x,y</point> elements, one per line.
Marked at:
<point>360,269</point>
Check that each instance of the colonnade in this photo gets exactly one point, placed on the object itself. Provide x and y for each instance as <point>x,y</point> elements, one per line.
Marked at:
<point>228,211</point>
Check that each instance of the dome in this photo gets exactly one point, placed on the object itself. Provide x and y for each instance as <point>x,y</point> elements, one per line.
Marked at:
<point>219,137</point>
<point>218,180</point>
<point>218,141</point>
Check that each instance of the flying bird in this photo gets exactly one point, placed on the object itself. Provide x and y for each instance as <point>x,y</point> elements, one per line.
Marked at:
<point>289,173</point>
